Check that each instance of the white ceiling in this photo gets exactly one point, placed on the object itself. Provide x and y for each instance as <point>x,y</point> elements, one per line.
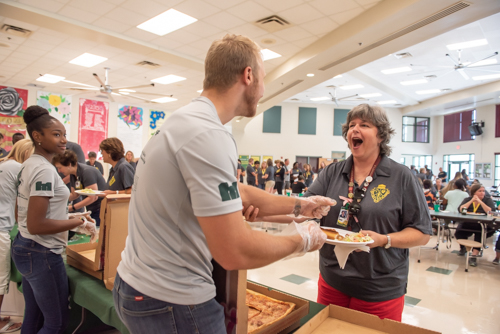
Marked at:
<point>64,29</point>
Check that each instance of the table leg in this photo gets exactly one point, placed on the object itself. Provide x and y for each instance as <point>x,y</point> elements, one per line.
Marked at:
<point>81,322</point>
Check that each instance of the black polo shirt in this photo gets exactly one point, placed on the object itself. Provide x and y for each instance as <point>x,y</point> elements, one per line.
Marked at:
<point>88,175</point>
<point>121,176</point>
<point>394,201</point>
<point>97,165</point>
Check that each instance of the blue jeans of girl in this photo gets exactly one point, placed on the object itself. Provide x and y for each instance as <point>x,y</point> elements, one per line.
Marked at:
<point>45,287</point>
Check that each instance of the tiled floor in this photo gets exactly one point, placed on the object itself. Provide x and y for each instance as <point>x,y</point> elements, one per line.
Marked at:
<point>441,295</point>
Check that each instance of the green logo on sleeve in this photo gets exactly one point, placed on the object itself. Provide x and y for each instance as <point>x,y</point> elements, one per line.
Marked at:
<point>39,186</point>
<point>228,192</point>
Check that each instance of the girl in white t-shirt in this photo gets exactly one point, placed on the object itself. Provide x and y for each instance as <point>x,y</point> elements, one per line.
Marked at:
<point>43,225</point>
<point>453,198</point>
<point>9,169</point>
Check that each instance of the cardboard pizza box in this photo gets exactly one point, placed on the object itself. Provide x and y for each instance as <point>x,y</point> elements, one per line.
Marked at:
<point>341,320</point>
<point>292,320</point>
<point>102,258</point>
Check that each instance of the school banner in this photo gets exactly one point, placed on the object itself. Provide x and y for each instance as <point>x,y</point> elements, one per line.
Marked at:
<point>13,103</point>
<point>93,125</point>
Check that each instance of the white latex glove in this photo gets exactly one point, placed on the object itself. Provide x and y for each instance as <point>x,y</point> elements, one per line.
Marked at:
<point>312,237</point>
<point>313,207</point>
<point>90,227</point>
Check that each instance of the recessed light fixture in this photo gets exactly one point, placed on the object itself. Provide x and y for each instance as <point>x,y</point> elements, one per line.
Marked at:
<point>78,83</point>
<point>413,82</point>
<point>323,98</point>
<point>268,54</point>
<point>338,76</point>
<point>115,93</point>
<point>168,79</point>
<point>429,91</point>
<point>370,95</point>
<point>88,60</point>
<point>199,91</point>
<point>483,62</point>
<point>49,78</point>
<point>465,45</point>
<point>397,70</point>
<point>126,90</point>
<point>167,22</point>
<point>164,99</point>
<point>310,74</point>
<point>387,102</point>
<point>487,77</point>
<point>351,87</point>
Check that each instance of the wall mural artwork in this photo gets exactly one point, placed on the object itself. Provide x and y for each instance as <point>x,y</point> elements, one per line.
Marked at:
<point>58,105</point>
<point>13,103</point>
<point>93,125</point>
<point>129,128</point>
<point>156,119</point>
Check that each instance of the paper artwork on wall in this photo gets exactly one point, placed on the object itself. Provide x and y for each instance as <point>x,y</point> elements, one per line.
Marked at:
<point>93,125</point>
<point>13,103</point>
<point>58,105</point>
<point>156,119</point>
<point>129,128</point>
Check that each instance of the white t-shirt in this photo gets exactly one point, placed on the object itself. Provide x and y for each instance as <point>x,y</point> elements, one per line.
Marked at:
<point>38,177</point>
<point>8,192</point>
<point>186,170</point>
<point>455,197</point>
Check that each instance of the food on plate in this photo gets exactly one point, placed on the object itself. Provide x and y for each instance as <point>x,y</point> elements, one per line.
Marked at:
<point>263,311</point>
<point>87,191</point>
<point>330,233</point>
<point>357,237</point>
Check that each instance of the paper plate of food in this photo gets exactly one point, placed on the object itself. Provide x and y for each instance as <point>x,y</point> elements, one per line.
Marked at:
<point>344,237</point>
<point>476,214</point>
<point>88,192</point>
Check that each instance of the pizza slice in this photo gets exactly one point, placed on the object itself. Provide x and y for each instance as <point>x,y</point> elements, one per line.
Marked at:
<point>271,310</point>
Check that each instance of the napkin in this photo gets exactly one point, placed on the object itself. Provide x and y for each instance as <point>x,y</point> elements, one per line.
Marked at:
<point>342,252</point>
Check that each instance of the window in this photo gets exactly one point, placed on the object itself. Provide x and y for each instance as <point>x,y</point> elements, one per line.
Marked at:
<point>456,126</point>
<point>497,123</point>
<point>339,118</point>
<point>416,129</point>
<point>272,120</point>
<point>420,161</point>
<point>453,163</point>
<point>496,182</point>
<point>307,121</point>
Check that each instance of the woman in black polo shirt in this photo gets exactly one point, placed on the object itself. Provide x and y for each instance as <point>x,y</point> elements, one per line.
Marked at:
<point>121,174</point>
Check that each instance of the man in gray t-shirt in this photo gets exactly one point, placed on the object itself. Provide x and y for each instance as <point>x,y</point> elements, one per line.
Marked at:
<point>186,204</point>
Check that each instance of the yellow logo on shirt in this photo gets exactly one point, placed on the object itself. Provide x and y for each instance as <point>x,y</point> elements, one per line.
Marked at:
<point>379,193</point>
<point>112,181</point>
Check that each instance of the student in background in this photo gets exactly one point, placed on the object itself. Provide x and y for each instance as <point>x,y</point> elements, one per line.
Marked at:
<point>269,176</point>
<point>261,171</point>
<point>129,156</point>
<point>94,163</point>
<point>298,186</point>
<point>251,174</point>
<point>429,196</point>
<point>121,174</point>
<point>308,175</point>
<point>279,175</point>
<point>295,172</point>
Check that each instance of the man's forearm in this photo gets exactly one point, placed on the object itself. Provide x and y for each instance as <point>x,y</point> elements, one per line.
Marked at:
<point>268,204</point>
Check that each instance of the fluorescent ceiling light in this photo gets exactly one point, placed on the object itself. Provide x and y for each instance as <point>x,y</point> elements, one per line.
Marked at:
<point>397,70</point>
<point>487,77</point>
<point>49,78</point>
<point>429,91</point>
<point>370,95</point>
<point>413,82</point>
<point>116,94</point>
<point>465,45</point>
<point>387,102</point>
<point>351,87</point>
<point>268,54</point>
<point>323,98</point>
<point>79,83</point>
<point>167,22</point>
<point>168,79</point>
<point>164,99</point>
<point>485,62</point>
<point>126,90</point>
<point>88,60</point>
<point>199,91</point>
<point>310,74</point>
<point>338,76</point>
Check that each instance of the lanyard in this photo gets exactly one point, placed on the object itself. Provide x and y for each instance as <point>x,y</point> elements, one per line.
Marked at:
<point>263,171</point>
<point>475,207</point>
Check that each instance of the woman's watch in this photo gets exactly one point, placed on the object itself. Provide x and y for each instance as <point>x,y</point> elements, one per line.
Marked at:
<point>388,244</point>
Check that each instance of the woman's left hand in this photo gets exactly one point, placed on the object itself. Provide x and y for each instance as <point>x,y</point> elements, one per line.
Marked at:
<point>379,240</point>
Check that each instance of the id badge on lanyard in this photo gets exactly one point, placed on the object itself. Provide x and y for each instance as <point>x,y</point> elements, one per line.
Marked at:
<point>343,218</point>
<point>78,184</point>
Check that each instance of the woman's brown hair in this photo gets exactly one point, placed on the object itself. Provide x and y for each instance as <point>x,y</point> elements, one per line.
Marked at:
<point>114,147</point>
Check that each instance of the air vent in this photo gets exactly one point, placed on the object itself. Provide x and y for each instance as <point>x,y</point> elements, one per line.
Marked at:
<point>295,83</point>
<point>402,55</point>
<point>35,85</point>
<point>430,77</point>
<point>15,31</point>
<point>272,23</point>
<point>294,99</point>
<point>415,26</point>
<point>148,64</point>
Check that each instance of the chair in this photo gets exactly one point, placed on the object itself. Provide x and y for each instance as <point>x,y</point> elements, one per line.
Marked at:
<point>468,244</point>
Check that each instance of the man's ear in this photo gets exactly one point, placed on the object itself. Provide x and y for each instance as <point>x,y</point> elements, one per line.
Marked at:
<point>248,75</point>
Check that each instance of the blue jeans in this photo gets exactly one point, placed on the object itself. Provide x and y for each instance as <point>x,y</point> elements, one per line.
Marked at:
<point>149,315</point>
<point>45,287</point>
<point>262,186</point>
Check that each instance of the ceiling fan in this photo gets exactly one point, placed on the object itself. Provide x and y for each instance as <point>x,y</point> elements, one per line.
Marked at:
<point>336,99</point>
<point>107,89</point>
<point>460,66</point>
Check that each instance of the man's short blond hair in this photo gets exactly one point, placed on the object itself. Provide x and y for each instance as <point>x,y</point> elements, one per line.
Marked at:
<point>226,60</point>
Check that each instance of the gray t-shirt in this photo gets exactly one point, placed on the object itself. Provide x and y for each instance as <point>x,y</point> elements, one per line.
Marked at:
<point>121,176</point>
<point>38,177</point>
<point>250,176</point>
<point>8,192</point>
<point>87,176</point>
<point>270,173</point>
<point>187,170</point>
<point>287,176</point>
<point>394,201</point>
